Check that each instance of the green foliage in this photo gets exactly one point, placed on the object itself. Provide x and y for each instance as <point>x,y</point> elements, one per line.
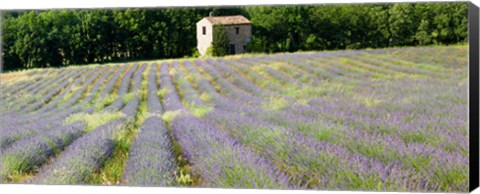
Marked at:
<point>56,38</point>
<point>320,133</point>
<point>170,115</point>
<point>209,51</point>
<point>451,178</point>
<point>184,179</point>
<point>368,101</point>
<point>414,136</point>
<point>94,120</point>
<point>275,103</point>
<point>422,35</point>
<point>205,97</point>
<point>293,28</point>
<point>105,101</point>
<point>130,96</point>
<point>198,110</point>
<point>196,53</point>
<point>220,41</point>
<point>162,92</point>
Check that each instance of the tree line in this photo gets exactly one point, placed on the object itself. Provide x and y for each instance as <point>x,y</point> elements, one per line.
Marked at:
<point>55,38</point>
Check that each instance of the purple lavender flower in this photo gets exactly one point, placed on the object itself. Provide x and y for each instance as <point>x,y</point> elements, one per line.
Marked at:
<point>151,161</point>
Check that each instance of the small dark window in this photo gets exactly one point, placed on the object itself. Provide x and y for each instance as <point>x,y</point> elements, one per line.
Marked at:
<point>204,30</point>
<point>237,30</point>
<point>244,48</point>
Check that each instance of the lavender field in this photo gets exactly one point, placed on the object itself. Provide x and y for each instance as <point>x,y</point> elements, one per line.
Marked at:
<point>381,120</point>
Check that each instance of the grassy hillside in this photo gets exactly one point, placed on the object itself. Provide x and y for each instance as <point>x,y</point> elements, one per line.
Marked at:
<point>382,120</point>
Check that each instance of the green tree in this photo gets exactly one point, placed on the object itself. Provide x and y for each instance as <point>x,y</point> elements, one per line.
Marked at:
<point>10,59</point>
<point>53,38</point>
<point>402,25</point>
<point>423,35</point>
<point>220,41</point>
<point>30,40</point>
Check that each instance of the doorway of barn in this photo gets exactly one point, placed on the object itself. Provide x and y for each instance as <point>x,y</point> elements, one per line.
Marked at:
<point>232,49</point>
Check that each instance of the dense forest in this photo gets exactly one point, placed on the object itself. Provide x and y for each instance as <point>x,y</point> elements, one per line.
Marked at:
<point>54,38</point>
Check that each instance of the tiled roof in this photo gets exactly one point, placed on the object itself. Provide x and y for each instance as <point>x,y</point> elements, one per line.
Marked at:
<point>228,20</point>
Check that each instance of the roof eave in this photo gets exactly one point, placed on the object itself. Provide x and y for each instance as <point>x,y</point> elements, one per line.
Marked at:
<point>233,24</point>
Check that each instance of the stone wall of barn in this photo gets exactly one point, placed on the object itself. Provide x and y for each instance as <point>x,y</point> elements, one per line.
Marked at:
<point>239,41</point>
<point>204,40</point>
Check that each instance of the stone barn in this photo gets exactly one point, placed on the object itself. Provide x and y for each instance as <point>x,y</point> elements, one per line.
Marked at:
<point>239,32</point>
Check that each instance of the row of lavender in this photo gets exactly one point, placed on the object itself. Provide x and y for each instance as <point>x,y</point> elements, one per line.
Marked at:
<point>27,145</point>
<point>340,120</point>
<point>406,124</point>
<point>381,171</point>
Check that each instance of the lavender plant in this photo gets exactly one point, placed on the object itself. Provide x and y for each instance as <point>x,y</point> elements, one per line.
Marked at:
<point>32,152</point>
<point>77,163</point>
<point>350,120</point>
<point>151,161</point>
